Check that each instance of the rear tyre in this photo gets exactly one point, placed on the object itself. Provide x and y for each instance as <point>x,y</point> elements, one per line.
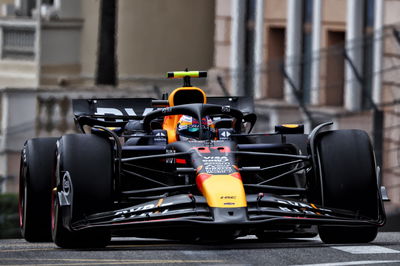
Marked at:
<point>36,170</point>
<point>349,181</point>
<point>88,160</point>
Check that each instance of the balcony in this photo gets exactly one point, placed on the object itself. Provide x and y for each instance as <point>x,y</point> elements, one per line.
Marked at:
<point>36,53</point>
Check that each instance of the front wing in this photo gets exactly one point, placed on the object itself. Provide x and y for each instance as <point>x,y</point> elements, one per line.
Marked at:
<point>193,211</point>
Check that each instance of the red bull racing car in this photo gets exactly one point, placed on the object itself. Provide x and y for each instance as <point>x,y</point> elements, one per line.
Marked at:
<point>131,173</point>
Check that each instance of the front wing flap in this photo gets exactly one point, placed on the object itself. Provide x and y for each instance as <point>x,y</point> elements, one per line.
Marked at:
<point>193,210</point>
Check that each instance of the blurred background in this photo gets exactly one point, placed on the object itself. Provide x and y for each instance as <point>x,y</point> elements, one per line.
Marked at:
<point>303,61</point>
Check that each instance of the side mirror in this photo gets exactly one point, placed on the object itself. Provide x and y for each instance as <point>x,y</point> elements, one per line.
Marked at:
<point>250,118</point>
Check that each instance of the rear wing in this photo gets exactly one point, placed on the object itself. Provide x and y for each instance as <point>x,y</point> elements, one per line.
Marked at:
<point>137,108</point>
<point>132,108</point>
<point>117,111</point>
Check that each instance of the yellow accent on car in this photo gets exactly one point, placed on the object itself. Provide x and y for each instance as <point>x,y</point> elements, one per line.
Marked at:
<point>191,94</point>
<point>109,128</point>
<point>290,125</point>
<point>182,74</point>
<point>224,191</point>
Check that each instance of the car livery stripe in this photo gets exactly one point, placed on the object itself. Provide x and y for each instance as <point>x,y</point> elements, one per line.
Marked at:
<point>200,180</point>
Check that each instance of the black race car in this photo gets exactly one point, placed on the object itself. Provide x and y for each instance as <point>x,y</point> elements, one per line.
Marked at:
<point>129,174</point>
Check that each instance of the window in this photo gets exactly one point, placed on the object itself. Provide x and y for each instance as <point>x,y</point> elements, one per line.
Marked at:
<point>334,84</point>
<point>275,53</point>
<point>18,43</point>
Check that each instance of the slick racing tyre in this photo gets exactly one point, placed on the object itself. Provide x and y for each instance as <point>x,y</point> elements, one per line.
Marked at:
<point>36,170</point>
<point>84,170</point>
<point>348,175</point>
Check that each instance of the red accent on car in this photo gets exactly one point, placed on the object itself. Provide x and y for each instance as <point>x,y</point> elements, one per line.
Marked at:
<point>200,179</point>
<point>202,149</point>
<point>237,175</point>
<point>222,149</point>
<point>180,161</point>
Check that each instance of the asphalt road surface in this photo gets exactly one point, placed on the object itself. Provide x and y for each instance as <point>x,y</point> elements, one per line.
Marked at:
<point>385,250</point>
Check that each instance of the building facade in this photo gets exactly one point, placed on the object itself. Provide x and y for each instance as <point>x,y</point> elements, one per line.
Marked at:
<point>47,60</point>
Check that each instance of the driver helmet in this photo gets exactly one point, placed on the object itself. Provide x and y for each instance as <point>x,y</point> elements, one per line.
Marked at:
<point>189,129</point>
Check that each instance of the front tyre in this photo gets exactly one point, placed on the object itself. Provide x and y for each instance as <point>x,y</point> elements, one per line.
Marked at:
<point>348,175</point>
<point>88,160</point>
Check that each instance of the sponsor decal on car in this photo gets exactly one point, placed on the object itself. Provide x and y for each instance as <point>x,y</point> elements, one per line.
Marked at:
<point>65,195</point>
<point>217,165</point>
<point>138,211</point>
<point>304,208</point>
<point>124,111</point>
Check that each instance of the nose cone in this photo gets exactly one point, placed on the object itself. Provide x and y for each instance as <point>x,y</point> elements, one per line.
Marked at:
<point>222,191</point>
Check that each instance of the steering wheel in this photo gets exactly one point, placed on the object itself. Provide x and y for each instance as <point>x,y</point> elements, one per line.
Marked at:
<point>196,110</point>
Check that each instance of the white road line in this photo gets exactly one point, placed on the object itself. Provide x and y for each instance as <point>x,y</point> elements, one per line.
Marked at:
<point>366,249</point>
<point>345,263</point>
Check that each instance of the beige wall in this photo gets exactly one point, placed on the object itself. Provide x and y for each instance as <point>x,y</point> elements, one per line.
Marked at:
<point>6,2</point>
<point>153,36</point>
<point>222,34</point>
<point>391,12</point>
<point>90,15</point>
<point>333,19</point>
<point>223,8</point>
<point>275,9</point>
<point>334,11</point>
<point>159,36</point>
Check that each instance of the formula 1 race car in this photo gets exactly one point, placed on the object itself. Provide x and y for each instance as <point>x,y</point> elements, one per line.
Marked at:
<point>130,173</point>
